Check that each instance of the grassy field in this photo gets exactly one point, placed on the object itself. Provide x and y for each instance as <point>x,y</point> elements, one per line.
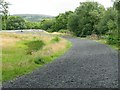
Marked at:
<point>22,53</point>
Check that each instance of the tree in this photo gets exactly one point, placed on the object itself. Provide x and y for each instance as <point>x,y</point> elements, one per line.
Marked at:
<point>73,24</point>
<point>88,15</point>
<point>29,25</point>
<point>108,22</point>
<point>61,21</point>
<point>32,25</point>
<point>117,33</point>
<point>117,7</point>
<point>15,23</point>
<point>47,24</point>
<point>4,11</point>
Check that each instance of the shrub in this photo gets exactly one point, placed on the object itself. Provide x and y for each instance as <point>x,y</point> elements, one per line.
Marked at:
<point>34,46</point>
<point>112,40</point>
<point>55,39</point>
<point>64,31</point>
<point>50,30</point>
<point>39,60</point>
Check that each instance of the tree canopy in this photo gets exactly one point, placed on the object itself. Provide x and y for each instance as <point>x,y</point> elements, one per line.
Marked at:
<point>87,15</point>
<point>15,23</point>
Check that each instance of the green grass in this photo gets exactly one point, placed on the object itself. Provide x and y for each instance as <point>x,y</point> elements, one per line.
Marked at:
<point>53,56</point>
<point>27,52</point>
<point>55,39</point>
<point>34,46</point>
<point>17,60</point>
<point>103,41</point>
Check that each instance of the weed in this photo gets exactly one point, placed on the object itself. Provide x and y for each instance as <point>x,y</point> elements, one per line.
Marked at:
<point>34,46</point>
<point>55,39</point>
<point>39,60</point>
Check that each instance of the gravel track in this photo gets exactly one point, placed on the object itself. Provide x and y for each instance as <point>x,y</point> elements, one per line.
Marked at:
<point>87,64</point>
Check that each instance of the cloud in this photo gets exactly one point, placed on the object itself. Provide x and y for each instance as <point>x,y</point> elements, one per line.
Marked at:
<point>48,7</point>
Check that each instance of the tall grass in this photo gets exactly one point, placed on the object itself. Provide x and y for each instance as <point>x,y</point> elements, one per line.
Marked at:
<point>22,54</point>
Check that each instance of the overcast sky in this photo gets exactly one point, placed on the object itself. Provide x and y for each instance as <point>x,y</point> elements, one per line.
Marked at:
<point>47,7</point>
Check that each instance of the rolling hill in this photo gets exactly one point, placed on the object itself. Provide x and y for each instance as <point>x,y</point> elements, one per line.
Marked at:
<point>33,17</point>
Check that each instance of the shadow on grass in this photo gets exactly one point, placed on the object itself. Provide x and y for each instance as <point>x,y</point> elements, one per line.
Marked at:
<point>34,46</point>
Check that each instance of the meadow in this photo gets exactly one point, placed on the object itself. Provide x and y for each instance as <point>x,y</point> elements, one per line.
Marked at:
<point>23,53</point>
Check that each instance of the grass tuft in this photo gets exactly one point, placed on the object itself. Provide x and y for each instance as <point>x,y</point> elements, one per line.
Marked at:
<point>55,39</point>
<point>34,46</point>
<point>39,60</point>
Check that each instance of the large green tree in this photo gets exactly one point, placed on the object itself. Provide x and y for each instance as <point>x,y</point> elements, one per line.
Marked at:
<point>117,7</point>
<point>47,24</point>
<point>4,12</point>
<point>117,32</point>
<point>15,23</point>
<point>73,24</point>
<point>108,23</point>
<point>88,15</point>
<point>32,25</point>
<point>61,21</point>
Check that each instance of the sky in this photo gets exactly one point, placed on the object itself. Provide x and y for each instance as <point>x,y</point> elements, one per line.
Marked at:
<point>48,7</point>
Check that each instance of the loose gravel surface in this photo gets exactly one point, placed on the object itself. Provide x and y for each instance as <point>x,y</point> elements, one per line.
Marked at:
<point>87,64</point>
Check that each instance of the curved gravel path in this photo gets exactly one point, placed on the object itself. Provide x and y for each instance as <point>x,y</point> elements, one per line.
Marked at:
<point>87,64</point>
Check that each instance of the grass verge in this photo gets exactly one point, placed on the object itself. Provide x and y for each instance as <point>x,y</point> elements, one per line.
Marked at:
<point>103,41</point>
<point>22,53</point>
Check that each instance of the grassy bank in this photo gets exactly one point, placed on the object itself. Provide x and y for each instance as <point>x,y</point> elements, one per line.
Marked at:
<point>103,40</point>
<point>22,53</point>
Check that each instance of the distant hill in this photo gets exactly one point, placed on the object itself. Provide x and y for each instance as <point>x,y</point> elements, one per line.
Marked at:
<point>33,17</point>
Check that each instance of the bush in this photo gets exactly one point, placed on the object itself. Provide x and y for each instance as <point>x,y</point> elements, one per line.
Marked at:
<point>39,60</point>
<point>50,30</point>
<point>34,46</point>
<point>55,39</point>
<point>47,24</point>
<point>64,31</point>
<point>112,39</point>
<point>15,23</point>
